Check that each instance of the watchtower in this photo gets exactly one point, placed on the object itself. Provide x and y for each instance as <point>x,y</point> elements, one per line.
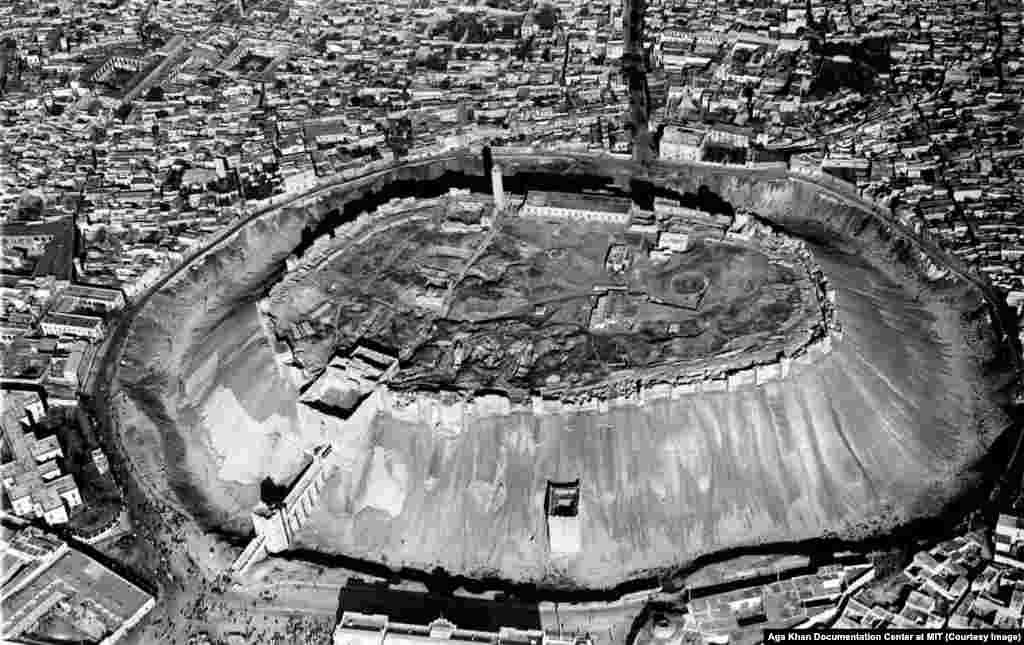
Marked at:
<point>497,187</point>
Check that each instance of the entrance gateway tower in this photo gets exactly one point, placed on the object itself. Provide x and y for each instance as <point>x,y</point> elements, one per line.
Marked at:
<point>562,508</point>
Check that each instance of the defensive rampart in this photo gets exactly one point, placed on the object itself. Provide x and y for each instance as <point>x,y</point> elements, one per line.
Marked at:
<point>784,199</point>
<point>733,370</point>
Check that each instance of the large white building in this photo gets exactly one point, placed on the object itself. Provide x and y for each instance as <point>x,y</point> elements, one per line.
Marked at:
<point>1009,539</point>
<point>727,138</point>
<point>578,207</point>
<point>55,324</point>
<point>101,298</point>
<point>681,144</point>
<point>377,629</point>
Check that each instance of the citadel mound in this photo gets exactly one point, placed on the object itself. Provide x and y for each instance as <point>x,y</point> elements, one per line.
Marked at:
<point>433,365</point>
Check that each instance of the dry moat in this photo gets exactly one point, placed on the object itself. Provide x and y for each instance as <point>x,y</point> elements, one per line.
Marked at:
<point>788,371</point>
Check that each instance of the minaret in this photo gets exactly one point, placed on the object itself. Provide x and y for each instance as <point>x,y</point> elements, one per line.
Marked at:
<point>497,188</point>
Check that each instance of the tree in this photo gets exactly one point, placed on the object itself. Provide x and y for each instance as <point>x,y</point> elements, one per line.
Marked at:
<point>466,28</point>
<point>522,48</point>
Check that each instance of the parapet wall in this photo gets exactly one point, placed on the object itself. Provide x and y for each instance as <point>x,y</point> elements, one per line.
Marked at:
<point>448,412</point>
<point>800,199</point>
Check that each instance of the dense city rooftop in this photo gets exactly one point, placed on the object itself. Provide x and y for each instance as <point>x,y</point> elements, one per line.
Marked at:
<point>134,132</point>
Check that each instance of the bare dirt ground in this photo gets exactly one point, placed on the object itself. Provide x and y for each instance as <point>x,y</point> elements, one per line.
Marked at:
<point>181,563</point>
<point>518,303</point>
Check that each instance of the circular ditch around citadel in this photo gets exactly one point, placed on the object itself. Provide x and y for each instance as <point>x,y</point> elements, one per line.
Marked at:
<point>884,426</point>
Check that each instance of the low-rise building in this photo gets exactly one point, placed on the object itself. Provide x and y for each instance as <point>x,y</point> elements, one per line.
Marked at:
<point>682,144</point>
<point>96,298</point>
<point>577,207</point>
<point>32,238</point>
<point>377,613</point>
<point>42,575</point>
<point>362,629</point>
<point>74,325</point>
<point>1009,541</point>
<point>346,379</point>
<point>32,478</point>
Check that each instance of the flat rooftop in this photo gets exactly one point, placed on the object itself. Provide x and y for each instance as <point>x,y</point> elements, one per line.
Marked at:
<point>84,582</point>
<point>579,201</point>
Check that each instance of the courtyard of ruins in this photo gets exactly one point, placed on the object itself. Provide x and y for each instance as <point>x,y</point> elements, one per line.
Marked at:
<point>526,303</point>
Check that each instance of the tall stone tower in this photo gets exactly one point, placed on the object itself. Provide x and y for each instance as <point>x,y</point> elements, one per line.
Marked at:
<point>497,187</point>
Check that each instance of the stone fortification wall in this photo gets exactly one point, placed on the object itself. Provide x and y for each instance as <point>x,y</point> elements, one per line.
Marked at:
<point>330,244</point>
<point>448,412</point>
<point>793,199</point>
<point>348,451</point>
